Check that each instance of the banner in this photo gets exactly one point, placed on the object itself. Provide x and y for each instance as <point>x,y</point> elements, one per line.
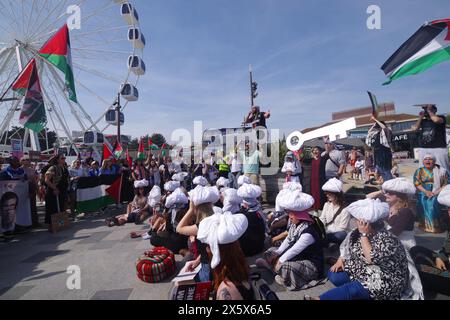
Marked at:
<point>14,205</point>
<point>93,193</point>
<point>17,148</point>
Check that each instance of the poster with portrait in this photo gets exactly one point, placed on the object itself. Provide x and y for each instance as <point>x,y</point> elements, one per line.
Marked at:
<point>14,205</point>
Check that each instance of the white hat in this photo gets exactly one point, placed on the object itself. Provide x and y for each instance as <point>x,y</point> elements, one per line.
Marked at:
<point>176,197</point>
<point>222,182</point>
<point>249,191</point>
<point>288,166</point>
<point>200,181</point>
<point>179,176</point>
<point>444,196</point>
<point>140,184</point>
<point>221,229</point>
<point>243,180</point>
<point>292,186</point>
<point>161,167</point>
<point>333,185</point>
<point>399,185</point>
<point>154,197</point>
<point>217,210</point>
<point>200,195</point>
<point>231,200</point>
<point>294,200</point>
<point>171,185</point>
<point>369,210</point>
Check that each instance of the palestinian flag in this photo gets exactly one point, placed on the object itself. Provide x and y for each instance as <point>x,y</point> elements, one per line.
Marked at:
<point>151,145</point>
<point>129,160</point>
<point>118,150</point>
<point>141,151</point>
<point>57,52</point>
<point>373,100</point>
<point>429,46</point>
<point>32,115</point>
<point>107,152</point>
<point>94,193</point>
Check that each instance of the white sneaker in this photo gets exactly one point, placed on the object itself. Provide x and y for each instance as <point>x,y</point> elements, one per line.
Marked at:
<point>279,280</point>
<point>146,236</point>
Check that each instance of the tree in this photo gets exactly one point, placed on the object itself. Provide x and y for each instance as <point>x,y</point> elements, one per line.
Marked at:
<point>158,139</point>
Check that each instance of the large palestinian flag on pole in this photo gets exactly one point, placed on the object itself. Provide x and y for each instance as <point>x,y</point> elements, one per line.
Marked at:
<point>57,52</point>
<point>94,193</point>
<point>429,46</point>
<point>32,115</point>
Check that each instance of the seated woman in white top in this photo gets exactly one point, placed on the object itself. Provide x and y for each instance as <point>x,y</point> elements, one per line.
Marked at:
<point>334,215</point>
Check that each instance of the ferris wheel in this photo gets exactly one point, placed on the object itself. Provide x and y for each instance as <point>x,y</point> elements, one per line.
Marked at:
<point>107,49</point>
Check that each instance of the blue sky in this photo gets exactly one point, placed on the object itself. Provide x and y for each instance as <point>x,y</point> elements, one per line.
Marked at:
<point>310,58</point>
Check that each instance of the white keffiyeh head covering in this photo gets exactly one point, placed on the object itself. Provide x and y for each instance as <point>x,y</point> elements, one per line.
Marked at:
<point>222,183</point>
<point>294,200</point>
<point>200,181</point>
<point>243,180</point>
<point>154,197</point>
<point>231,200</point>
<point>177,197</point>
<point>333,185</point>
<point>444,196</point>
<point>288,166</point>
<point>179,176</point>
<point>399,185</point>
<point>249,194</point>
<point>171,185</point>
<point>292,186</point>
<point>369,210</point>
<point>200,195</point>
<point>218,229</point>
<point>140,184</point>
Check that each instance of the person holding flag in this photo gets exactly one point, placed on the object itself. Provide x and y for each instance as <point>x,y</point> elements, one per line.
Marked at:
<point>379,138</point>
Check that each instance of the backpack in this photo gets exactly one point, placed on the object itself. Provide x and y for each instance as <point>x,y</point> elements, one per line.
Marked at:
<point>43,172</point>
<point>320,228</point>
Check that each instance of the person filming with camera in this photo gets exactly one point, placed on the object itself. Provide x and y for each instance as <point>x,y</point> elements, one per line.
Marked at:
<point>432,137</point>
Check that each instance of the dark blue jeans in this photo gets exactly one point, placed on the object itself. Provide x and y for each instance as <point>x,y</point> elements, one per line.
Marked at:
<point>336,237</point>
<point>346,289</point>
<point>204,275</point>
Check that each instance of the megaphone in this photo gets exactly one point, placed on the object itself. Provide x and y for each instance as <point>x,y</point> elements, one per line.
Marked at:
<point>334,131</point>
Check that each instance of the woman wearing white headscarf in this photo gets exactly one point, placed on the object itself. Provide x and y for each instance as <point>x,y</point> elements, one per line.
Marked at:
<point>200,207</point>
<point>292,168</point>
<point>137,211</point>
<point>434,266</point>
<point>401,218</point>
<point>299,259</point>
<point>335,217</point>
<point>252,242</point>
<point>221,233</point>
<point>231,201</point>
<point>373,262</point>
<point>429,180</point>
<point>176,207</point>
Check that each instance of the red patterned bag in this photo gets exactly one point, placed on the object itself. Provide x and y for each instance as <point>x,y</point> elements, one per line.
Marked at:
<point>155,265</point>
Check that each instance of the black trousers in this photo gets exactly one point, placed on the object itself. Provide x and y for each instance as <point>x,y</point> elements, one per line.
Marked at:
<point>433,279</point>
<point>170,240</point>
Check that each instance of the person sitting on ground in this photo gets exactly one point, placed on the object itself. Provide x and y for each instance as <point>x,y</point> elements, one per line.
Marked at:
<point>299,259</point>
<point>221,233</point>
<point>278,221</point>
<point>252,241</point>
<point>291,167</point>
<point>200,207</point>
<point>373,262</point>
<point>176,207</point>
<point>434,266</point>
<point>334,216</point>
<point>222,184</point>
<point>396,193</point>
<point>231,201</point>
<point>137,211</point>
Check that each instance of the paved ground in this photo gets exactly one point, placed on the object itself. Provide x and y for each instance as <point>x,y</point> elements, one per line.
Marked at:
<point>34,267</point>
